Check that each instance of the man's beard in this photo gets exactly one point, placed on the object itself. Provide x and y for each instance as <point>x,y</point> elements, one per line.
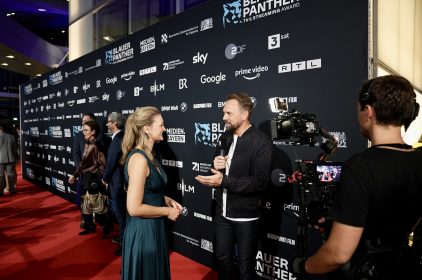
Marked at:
<point>233,126</point>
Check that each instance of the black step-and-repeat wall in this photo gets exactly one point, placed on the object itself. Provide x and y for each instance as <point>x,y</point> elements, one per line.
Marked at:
<point>313,53</point>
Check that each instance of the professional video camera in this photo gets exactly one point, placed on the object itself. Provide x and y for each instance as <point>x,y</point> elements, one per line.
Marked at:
<point>301,128</point>
<point>317,182</point>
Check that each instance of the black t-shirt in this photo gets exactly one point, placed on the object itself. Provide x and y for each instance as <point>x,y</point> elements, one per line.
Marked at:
<point>381,190</point>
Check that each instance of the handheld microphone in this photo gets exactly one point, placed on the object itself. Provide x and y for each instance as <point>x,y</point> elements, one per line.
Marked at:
<point>222,146</point>
<point>222,150</point>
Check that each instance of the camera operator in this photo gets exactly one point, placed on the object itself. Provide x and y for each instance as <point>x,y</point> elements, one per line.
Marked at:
<point>378,200</point>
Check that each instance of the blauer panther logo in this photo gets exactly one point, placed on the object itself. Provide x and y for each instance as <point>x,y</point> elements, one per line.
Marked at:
<point>232,12</point>
<point>203,134</point>
<point>109,57</point>
<point>76,130</point>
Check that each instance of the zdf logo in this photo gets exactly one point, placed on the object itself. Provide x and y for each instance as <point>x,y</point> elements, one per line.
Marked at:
<point>232,50</point>
<point>278,177</point>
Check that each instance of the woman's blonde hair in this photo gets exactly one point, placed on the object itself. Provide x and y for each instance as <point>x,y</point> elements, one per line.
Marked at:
<point>134,132</point>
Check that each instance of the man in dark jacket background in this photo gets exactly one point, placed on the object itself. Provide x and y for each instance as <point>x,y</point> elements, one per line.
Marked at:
<point>113,174</point>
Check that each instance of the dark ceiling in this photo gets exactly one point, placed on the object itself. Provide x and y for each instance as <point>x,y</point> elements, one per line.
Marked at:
<point>50,25</point>
<point>47,24</point>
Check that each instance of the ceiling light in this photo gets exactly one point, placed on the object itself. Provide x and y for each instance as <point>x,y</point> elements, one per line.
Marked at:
<point>28,63</point>
<point>38,75</point>
<point>42,10</point>
<point>10,56</point>
<point>108,38</point>
<point>63,31</point>
<point>4,64</point>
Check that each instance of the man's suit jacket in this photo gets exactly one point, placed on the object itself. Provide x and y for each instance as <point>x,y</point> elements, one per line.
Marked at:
<point>8,149</point>
<point>114,171</point>
<point>78,148</point>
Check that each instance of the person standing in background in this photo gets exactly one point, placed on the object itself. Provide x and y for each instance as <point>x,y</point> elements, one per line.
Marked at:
<point>77,152</point>
<point>113,174</point>
<point>92,166</point>
<point>240,176</point>
<point>8,156</point>
<point>79,140</point>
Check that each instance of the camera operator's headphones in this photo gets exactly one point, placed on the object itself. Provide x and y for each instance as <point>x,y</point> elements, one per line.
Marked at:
<point>368,98</point>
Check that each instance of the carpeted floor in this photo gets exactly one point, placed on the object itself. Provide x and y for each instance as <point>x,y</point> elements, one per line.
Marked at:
<point>39,240</point>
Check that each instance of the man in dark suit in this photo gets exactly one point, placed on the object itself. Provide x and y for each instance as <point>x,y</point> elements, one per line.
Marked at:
<point>113,174</point>
<point>8,155</point>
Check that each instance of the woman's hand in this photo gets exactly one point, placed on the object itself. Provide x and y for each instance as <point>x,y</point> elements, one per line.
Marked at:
<point>175,204</point>
<point>173,213</point>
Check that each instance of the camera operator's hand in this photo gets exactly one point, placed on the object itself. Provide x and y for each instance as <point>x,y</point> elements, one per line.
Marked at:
<point>220,162</point>
<point>321,221</point>
<point>324,225</point>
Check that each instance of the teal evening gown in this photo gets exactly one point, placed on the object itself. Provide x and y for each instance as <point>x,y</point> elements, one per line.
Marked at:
<point>145,254</point>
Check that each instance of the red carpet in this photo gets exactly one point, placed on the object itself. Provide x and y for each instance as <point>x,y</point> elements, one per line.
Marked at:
<point>39,240</point>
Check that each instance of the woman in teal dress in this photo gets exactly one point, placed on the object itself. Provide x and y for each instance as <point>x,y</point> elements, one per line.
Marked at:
<point>145,254</point>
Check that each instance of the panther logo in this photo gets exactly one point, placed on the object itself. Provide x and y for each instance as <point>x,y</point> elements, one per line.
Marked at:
<point>232,12</point>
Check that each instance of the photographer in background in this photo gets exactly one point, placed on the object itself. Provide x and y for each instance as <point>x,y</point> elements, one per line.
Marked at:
<point>378,200</point>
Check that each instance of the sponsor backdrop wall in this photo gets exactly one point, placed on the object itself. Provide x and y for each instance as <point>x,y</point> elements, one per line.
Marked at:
<point>313,53</point>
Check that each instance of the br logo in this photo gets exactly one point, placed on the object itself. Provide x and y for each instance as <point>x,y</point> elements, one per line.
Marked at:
<point>232,12</point>
<point>203,134</point>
